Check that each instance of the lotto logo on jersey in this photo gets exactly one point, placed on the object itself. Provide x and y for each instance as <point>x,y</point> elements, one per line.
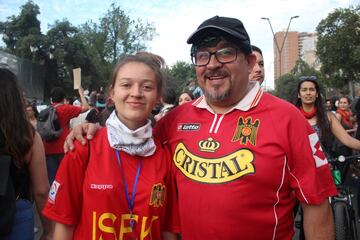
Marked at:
<point>53,191</point>
<point>188,127</point>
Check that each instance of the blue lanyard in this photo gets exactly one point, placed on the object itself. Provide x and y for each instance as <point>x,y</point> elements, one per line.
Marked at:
<point>130,203</point>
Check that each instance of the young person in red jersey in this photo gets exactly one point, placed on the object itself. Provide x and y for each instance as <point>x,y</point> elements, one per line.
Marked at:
<point>65,112</point>
<point>114,187</point>
<point>241,157</point>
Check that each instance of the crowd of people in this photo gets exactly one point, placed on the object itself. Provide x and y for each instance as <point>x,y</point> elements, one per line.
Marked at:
<point>221,160</point>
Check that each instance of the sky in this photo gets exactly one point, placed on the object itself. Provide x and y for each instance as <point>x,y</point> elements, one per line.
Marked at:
<point>175,20</point>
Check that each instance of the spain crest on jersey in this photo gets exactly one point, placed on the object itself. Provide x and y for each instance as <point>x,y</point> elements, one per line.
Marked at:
<point>157,197</point>
<point>246,131</point>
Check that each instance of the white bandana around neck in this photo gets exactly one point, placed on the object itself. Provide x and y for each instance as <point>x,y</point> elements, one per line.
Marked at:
<point>135,142</point>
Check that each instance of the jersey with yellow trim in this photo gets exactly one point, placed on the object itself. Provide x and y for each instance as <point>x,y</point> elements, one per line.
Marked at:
<point>237,175</point>
<point>90,195</point>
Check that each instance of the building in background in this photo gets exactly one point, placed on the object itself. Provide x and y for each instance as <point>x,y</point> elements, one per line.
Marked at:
<point>307,49</point>
<point>297,45</point>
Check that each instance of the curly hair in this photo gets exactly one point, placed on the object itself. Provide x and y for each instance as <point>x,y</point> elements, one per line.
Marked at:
<point>16,132</point>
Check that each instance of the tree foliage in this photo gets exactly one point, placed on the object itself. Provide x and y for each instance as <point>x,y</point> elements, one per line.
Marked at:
<point>286,85</point>
<point>22,31</point>
<point>338,46</point>
<point>123,35</point>
<point>179,74</point>
<point>94,47</point>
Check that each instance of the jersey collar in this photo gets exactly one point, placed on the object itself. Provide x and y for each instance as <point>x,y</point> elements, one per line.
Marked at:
<point>250,100</point>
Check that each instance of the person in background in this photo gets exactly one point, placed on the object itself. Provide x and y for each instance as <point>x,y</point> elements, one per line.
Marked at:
<point>345,117</point>
<point>328,105</point>
<point>168,101</point>
<point>19,140</point>
<point>65,112</point>
<point>94,113</point>
<point>69,101</point>
<point>258,72</point>
<point>185,97</point>
<point>344,114</point>
<point>32,114</point>
<point>114,188</point>
<point>240,155</point>
<point>324,122</point>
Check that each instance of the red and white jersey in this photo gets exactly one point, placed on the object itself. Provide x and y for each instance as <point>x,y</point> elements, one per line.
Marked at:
<point>237,174</point>
<point>89,193</point>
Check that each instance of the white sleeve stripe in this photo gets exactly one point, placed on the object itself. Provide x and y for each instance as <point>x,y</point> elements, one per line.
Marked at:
<point>298,183</point>
<point>278,199</point>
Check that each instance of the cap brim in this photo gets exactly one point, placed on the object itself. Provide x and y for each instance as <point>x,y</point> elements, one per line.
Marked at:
<point>199,32</point>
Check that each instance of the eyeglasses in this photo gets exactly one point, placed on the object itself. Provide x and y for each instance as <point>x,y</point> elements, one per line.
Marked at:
<point>224,55</point>
<point>311,78</point>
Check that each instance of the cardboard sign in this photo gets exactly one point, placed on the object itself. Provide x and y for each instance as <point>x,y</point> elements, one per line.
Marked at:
<point>77,78</point>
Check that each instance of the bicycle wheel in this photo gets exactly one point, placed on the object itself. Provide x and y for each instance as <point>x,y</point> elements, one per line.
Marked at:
<point>342,221</point>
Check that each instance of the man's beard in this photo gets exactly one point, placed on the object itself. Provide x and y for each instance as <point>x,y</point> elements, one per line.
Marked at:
<point>216,97</point>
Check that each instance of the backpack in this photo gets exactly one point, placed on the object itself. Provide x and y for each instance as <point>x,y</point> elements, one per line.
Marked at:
<point>7,196</point>
<point>48,124</point>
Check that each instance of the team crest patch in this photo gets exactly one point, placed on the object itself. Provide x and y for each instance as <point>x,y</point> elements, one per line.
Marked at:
<point>157,198</point>
<point>53,191</point>
<point>246,131</point>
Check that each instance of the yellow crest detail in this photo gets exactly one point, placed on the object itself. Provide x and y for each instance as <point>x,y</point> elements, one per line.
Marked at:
<point>208,145</point>
<point>246,131</point>
<point>157,198</point>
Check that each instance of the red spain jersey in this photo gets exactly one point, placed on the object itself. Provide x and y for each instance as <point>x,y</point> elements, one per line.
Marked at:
<point>88,193</point>
<point>237,175</point>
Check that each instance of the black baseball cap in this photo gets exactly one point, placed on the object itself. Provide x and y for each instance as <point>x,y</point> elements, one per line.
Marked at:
<point>231,27</point>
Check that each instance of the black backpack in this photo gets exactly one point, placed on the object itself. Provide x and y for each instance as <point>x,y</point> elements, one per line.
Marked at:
<point>7,196</point>
<point>48,124</point>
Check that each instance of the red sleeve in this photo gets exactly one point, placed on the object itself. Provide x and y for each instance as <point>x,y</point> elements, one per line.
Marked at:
<point>309,171</point>
<point>66,112</point>
<point>65,196</point>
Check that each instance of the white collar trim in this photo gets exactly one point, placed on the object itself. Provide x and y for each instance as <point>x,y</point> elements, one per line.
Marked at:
<point>250,100</point>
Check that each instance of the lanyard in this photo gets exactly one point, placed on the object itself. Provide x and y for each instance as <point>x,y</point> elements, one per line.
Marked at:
<point>132,201</point>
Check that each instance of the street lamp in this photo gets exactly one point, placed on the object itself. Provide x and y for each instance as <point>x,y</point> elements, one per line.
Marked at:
<point>279,49</point>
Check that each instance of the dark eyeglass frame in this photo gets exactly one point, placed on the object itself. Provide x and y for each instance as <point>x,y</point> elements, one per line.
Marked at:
<point>311,78</point>
<point>193,56</point>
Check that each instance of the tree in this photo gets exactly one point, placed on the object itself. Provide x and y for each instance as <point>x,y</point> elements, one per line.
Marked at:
<point>179,74</point>
<point>286,85</point>
<point>338,46</point>
<point>123,35</point>
<point>21,34</point>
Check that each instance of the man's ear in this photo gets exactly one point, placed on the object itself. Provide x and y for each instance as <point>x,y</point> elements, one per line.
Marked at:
<point>251,59</point>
